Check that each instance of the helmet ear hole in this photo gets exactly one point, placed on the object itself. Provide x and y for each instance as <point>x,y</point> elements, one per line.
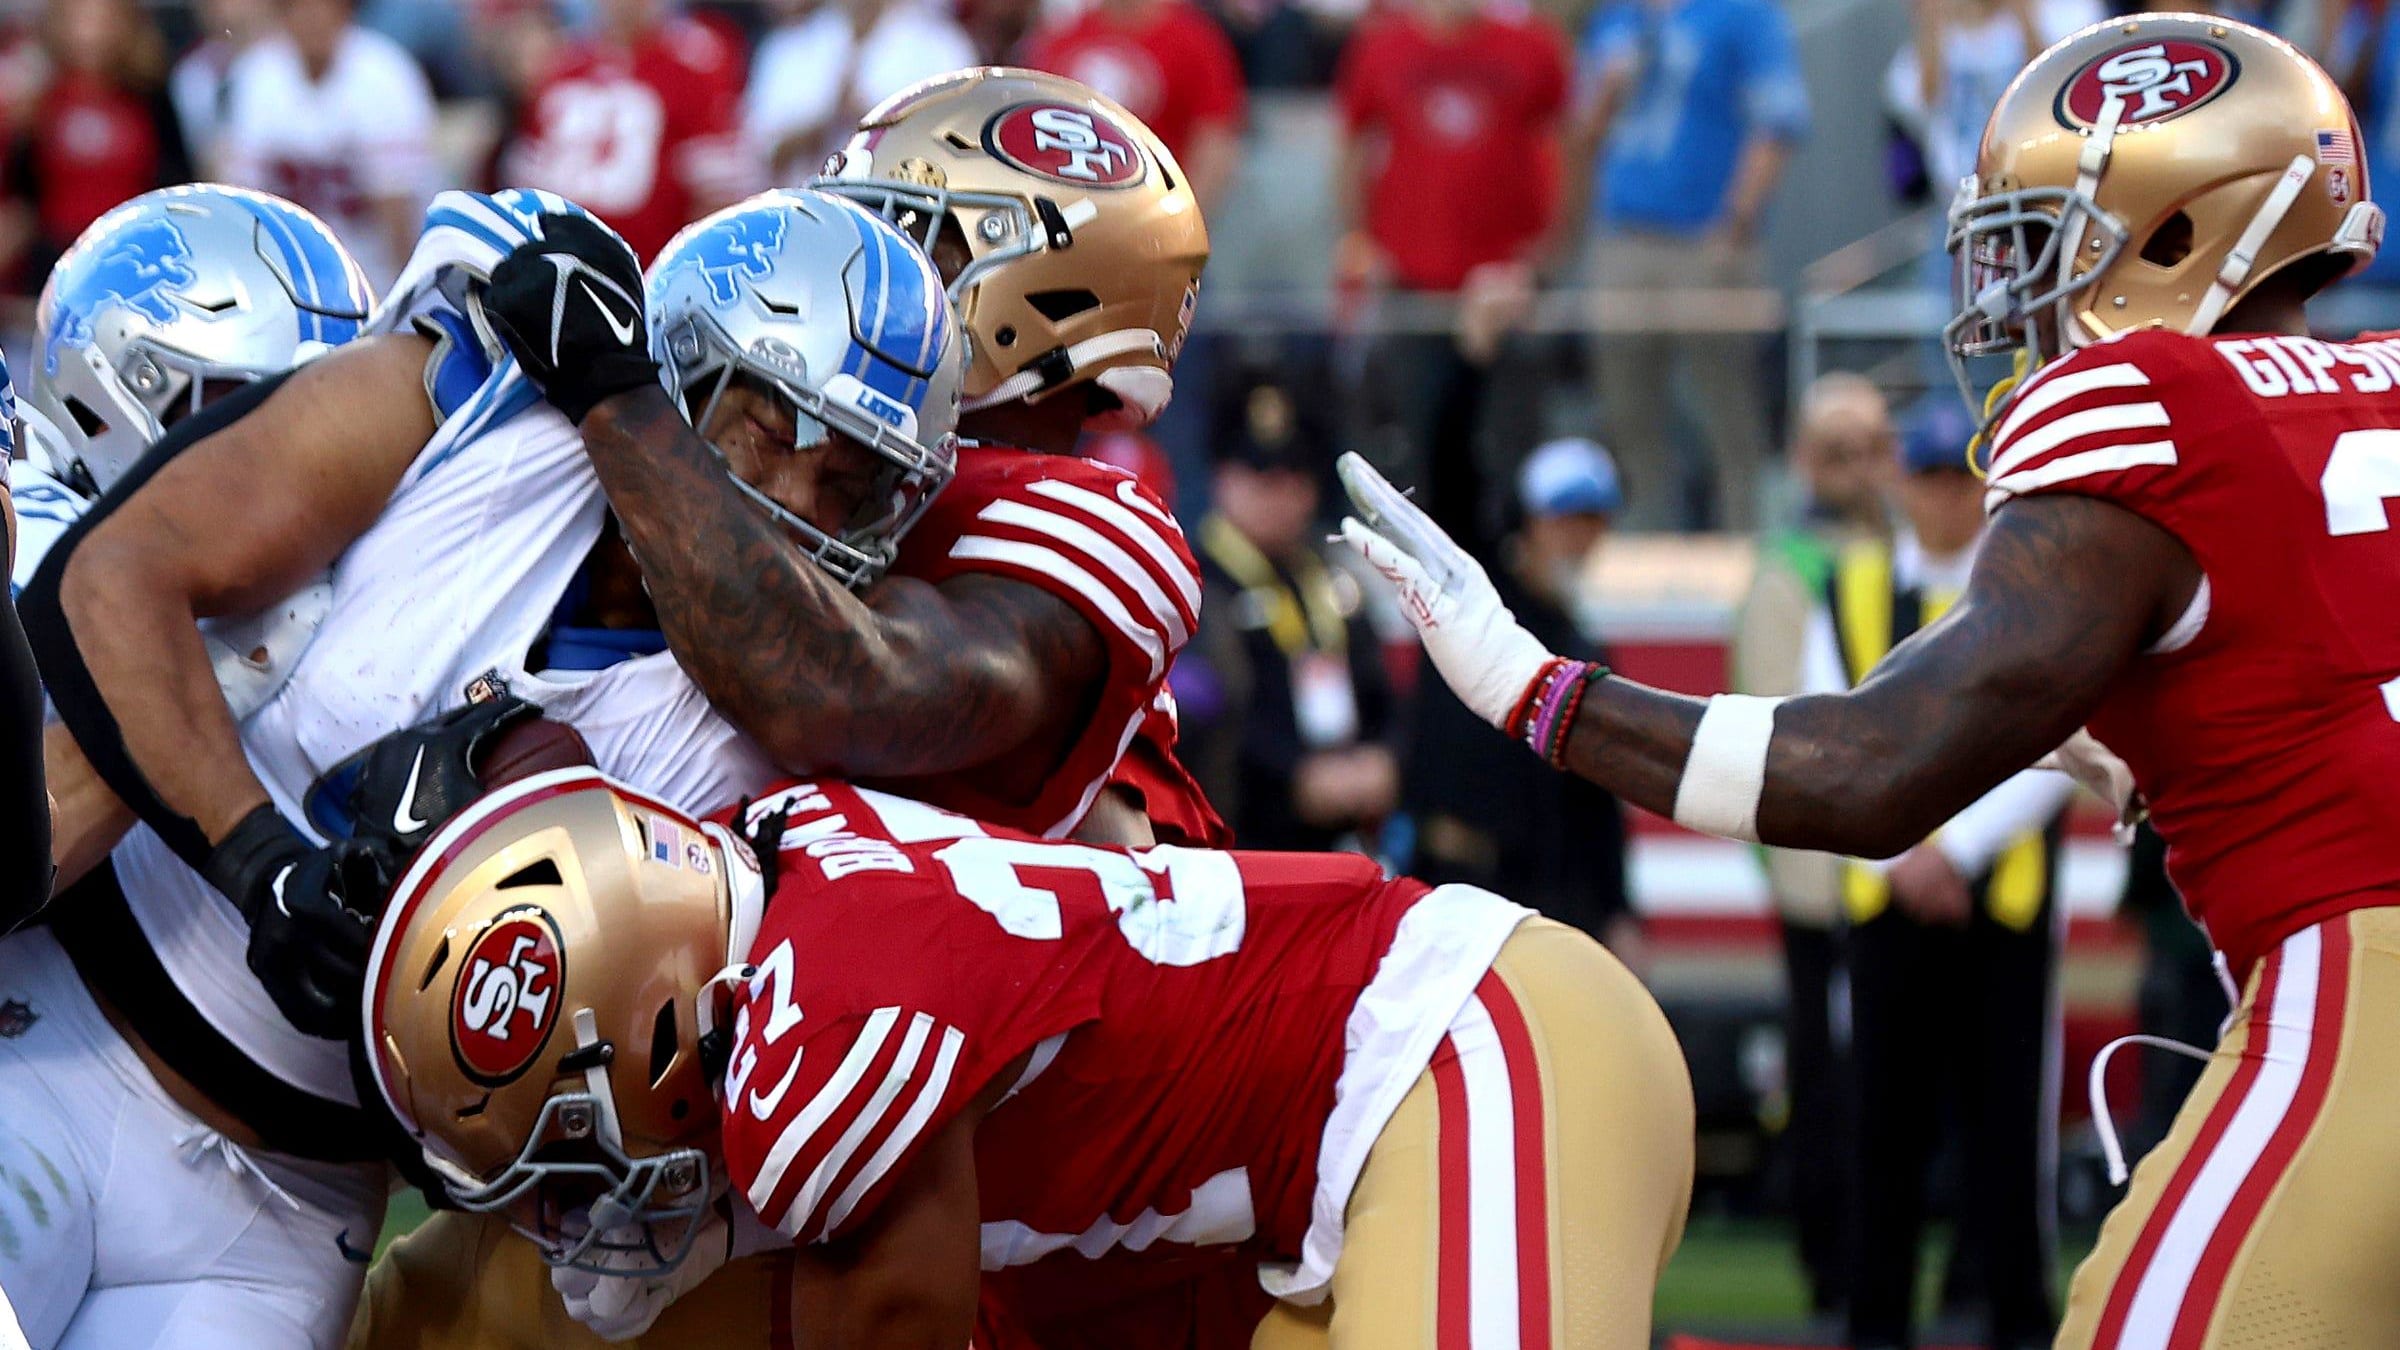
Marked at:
<point>2170,243</point>
<point>663,1045</point>
<point>1060,306</point>
<point>89,422</point>
<point>539,872</point>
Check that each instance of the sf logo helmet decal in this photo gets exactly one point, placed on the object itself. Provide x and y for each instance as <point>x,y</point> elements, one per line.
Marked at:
<point>1066,143</point>
<point>2149,81</point>
<point>506,999</point>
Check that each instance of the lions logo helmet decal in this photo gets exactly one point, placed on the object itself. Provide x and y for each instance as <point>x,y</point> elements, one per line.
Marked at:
<point>1066,143</point>
<point>2149,81</point>
<point>142,269</point>
<point>506,999</point>
<point>739,245</point>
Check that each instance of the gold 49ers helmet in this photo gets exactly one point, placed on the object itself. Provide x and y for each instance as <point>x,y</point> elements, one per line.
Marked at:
<point>536,1013</point>
<point>1084,242</point>
<point>2153,171</point>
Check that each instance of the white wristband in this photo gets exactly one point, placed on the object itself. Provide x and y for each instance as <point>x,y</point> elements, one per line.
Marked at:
<point>1727,769</point>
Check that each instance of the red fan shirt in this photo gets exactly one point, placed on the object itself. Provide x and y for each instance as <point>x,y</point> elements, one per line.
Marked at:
<point>2265,730</point>
<point>1468,120</point>
<point>91,146</point>
<point>1171,66</point>
<point>648,138</point>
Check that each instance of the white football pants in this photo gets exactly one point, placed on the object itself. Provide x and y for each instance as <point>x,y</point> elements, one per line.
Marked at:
<point>126,1224</point>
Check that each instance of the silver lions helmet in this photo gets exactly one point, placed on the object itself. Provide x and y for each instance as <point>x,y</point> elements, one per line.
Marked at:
<point>836,313</point>
<point>174,298</point>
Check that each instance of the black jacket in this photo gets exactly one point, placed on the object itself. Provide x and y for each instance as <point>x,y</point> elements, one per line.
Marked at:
<point>1488,813</point>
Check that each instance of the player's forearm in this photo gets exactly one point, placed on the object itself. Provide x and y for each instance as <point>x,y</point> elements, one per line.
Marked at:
<point>2060,602</point>
<point>1842,773</point>
<point>141,645</point>
<point>818,678</point>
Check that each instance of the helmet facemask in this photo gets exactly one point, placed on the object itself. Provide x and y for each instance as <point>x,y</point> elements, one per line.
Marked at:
<point>576,1192</point>
<point>2016,279</point>
<point>700,361</point>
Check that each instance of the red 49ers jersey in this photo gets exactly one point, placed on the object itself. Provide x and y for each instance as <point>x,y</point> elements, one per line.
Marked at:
<point>1091,535</point>
<point>2265,731</point>
<point>647,139</point>
<point>1179,811</point>
<point>1184,1017</point>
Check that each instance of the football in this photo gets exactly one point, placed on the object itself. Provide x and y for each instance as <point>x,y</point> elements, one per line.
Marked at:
<point>536,745</point>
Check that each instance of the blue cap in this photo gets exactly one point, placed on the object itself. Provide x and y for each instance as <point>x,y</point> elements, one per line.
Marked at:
<point>1570,476</point>
<point>1934,434</point>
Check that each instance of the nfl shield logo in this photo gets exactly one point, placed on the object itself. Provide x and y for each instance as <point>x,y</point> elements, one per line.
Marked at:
<point>16,1019</point>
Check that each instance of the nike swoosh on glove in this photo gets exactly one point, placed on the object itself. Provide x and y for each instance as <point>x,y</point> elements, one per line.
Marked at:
<point>569,306</point>
<point>1484,655</point>
<point>393,794</point>
<point>621,1307</point>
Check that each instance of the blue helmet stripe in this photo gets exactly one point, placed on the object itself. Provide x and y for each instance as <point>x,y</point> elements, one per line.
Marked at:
<point>880,309</point>
<point>294,263</point>
<point>917,307</point>
<point>901,282</point>
<point>887,379</point>
<point>900,327</point>
<point>330,269</point>
<point>856,361</point>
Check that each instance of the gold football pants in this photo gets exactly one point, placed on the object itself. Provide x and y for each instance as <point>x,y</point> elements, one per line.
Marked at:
<point>2271,1213</point>
<point>1532,1184</point>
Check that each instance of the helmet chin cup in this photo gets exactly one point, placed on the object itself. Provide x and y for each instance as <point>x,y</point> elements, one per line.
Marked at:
<point>2361,234</point>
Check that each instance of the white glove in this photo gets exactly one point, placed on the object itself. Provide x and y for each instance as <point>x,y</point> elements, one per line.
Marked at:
<point>621,1307</point>
<point>1483,653</point>
<point>2084,759</point>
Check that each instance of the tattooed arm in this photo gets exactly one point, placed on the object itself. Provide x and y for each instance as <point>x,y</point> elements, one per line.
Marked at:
<point>2066,591</point>
<point>909,679</point>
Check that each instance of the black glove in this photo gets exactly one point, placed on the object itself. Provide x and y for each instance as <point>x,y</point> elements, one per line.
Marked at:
<point>308,909</point>
<point>392,795</point>
<point>569,305</point>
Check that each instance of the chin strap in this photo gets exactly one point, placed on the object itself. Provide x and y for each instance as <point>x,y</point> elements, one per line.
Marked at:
<point>1061,365</point>
<point>2090,162</point>
<point>2244,256</point>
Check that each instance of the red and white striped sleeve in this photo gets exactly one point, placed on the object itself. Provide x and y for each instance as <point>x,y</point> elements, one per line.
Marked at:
<point>818,1127</point>
<point>1098,540</point>
<point>1092,536</point>
<point>2101,423</point>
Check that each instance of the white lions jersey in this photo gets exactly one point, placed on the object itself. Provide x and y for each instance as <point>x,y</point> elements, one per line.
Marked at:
<point>448,590</point>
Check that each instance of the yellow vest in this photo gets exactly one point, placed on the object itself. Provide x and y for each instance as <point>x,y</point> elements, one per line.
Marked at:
<point>1870,616</point>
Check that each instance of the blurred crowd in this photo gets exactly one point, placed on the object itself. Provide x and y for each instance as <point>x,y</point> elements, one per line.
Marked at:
<point>1483,155</point>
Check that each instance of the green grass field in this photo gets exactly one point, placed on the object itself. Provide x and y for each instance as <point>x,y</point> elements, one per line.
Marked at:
<point>1730,1276</point>
<point>1742,1275</point>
